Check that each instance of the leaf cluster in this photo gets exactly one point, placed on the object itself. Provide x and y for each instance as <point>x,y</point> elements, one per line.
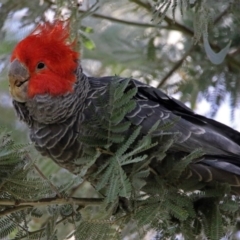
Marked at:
<point>21,182</point>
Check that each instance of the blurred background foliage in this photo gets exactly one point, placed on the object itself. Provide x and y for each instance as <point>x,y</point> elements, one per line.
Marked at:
<point>155,41</point>
<point>158,42</point>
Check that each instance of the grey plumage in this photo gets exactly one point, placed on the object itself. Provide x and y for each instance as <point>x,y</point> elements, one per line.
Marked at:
<point>55,125</point>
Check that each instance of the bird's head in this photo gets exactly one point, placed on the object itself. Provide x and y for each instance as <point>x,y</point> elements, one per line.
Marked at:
<point>43,63</point>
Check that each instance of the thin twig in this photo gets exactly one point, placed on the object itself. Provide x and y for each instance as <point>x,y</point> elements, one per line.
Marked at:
<point>221,15</point>
<point>105,151</point>
<point>49,182</point>
<point>145,5</point>
<point>18,224</point>
<point>43,228</point>
<point>175,67</point>
<point>112,19</point>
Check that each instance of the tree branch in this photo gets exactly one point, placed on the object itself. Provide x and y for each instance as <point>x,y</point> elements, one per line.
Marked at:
<point>112,19</point>
<point>221,15</point>
<point>173,25</point>
<point>12,210</point>
<point>30,233</point>
<point>54,200</point>
<point>147,6</point>
<point>175,67</point>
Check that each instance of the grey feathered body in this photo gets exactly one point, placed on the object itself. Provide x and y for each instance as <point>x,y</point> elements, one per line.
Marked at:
<point>56,123</point>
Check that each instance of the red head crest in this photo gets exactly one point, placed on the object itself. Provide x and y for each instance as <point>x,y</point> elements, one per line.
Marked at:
<point>49,58</point>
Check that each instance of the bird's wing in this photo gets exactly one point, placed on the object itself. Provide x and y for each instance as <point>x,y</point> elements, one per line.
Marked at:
<point>196,131</point>
<point>220,143</point>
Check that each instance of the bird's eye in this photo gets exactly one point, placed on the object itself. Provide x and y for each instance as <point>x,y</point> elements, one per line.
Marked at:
<point>40,65</point>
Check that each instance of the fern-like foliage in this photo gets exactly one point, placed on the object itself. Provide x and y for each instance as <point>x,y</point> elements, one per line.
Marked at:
<point>19,183</point>
<point>203,13</point>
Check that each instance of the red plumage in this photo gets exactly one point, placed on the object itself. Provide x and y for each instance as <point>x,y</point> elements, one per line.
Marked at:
<point>48,44</point>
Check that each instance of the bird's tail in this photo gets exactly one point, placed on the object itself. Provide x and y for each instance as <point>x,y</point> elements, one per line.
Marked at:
<point>213,169</point>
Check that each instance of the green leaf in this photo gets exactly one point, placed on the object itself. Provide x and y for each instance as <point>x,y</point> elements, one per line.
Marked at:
<point>87,42</point>
<point>87,29</point>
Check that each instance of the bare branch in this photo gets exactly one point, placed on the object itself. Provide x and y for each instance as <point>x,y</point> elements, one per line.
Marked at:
<point>12,210</point>
<point>112,19</point>
<point>54,188</point>
<point>54,200</point>
<point>175,67</point>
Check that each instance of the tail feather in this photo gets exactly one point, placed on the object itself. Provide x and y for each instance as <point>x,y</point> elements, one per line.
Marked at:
<point>206,173</point>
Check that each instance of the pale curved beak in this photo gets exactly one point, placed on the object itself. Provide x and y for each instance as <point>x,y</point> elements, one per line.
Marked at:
<point>18,81</point>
